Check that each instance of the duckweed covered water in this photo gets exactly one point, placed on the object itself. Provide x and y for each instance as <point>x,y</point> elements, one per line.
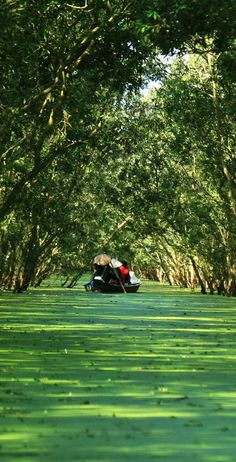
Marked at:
<point>117,378</point>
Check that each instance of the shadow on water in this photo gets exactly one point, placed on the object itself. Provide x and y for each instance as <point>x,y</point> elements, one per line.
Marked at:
<point>138,377</point>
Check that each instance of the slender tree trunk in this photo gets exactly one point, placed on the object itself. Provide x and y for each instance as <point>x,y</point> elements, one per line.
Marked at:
<point>201,282</point>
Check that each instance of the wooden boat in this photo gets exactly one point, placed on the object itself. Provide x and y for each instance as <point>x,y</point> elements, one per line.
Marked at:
<point>103,287</point>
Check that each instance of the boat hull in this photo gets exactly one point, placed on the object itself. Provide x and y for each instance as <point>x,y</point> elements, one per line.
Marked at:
<point>110,289</point>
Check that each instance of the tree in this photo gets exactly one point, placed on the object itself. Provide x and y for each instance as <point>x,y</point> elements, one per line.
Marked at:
<point>173,172</point>
<point>65,69</point>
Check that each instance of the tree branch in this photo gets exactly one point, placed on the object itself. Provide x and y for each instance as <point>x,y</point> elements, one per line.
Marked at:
<point>75,7</point>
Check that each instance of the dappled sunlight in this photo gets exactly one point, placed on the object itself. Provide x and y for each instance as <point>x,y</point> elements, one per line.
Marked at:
<point>118,378</point>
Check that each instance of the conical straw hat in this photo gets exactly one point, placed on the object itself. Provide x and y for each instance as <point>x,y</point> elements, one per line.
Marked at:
<point>102,259</point>
<point>115,263</point>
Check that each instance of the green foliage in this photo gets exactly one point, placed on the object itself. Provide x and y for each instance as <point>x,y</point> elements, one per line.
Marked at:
<point>173,171</point>
<point>84,161</point>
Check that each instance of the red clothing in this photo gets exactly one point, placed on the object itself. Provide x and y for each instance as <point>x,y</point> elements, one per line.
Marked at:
<point>124,274</point>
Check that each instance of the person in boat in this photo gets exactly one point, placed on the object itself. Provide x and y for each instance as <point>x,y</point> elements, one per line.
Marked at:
<point>124,272</point>
<point>109,271</point>
<point>125,275</point>
<point>104,272</point>
<point>121,272</point>
<point>115,279</point>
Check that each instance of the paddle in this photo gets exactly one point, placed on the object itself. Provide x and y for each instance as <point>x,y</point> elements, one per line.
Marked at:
<point>118,276</point>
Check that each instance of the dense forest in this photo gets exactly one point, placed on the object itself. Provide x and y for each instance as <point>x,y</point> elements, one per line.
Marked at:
<point>92,161</point>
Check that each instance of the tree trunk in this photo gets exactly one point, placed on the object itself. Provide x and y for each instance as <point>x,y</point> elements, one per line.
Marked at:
<point>201,282</point>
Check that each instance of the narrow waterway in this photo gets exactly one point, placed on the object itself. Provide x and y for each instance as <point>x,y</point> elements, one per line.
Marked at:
<point>117,378</point>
